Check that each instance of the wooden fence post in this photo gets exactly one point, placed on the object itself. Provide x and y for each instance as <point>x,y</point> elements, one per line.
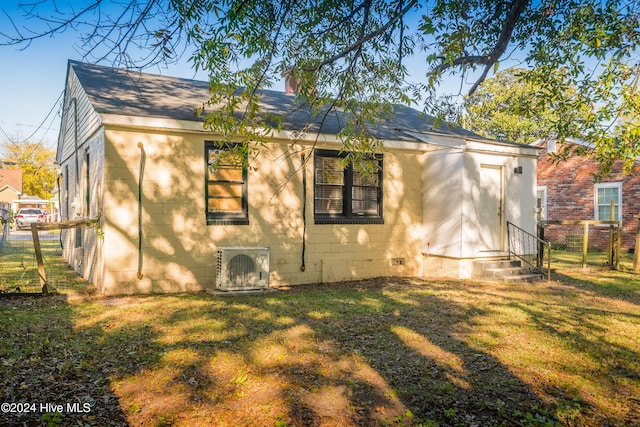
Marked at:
<point>612,215</point>
<point>41,271</point>
<point>585,245</point>
<point>540,245</point>
<point>618,246</point>
<point>636,252</point>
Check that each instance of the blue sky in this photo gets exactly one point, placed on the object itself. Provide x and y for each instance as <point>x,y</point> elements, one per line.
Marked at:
<point>32,77</point>
<point>30,83</point>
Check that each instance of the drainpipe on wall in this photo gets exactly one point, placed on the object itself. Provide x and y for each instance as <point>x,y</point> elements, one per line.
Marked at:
<point>143,157</point>
<point>58,181</point>
<point>75,135</point>
<point>304,208</point>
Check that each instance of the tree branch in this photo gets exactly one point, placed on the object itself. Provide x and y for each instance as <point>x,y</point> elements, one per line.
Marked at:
<point>60,26</point>
<point>346,20</point>
<point>517,8</point>
<point>361,41</point>
<point>480,79</point>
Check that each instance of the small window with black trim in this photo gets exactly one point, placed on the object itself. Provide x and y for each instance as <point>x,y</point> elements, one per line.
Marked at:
<point>344,195</point>
<point>226,184</point>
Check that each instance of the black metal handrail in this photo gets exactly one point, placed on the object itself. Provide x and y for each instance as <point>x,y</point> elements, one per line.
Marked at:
<point>524,245</point>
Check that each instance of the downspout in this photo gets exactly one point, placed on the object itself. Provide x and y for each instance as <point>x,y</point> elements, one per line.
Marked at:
<point>58,179</point>
<point>304,208</point>
<point>74,100</point>
<point>143,157</point>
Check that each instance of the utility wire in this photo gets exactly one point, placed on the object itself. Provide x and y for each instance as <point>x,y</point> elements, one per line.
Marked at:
<point>40,126</point>
<point>53,118</point>
<point>5,134</point>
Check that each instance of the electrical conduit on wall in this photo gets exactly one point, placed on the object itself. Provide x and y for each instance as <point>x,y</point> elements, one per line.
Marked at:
<point>304,208</point>
<point>143,158</point>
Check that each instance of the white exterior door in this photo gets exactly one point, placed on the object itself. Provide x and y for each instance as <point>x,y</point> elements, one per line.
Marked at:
<point>491,208</point>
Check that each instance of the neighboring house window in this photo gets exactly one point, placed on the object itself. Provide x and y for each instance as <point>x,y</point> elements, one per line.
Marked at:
<point>604,194</point>
<point>226,185</point>
<point>541,201</point>
<point>344,195</point>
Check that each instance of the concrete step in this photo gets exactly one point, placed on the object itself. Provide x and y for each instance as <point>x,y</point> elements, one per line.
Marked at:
<point>504,270</point>
<point>498,263</point>
<point>491,268</point>
<point>527,277</point>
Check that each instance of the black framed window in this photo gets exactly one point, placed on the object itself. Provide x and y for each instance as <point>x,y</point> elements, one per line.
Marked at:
<point>343,195</point>
<point>226,185</point>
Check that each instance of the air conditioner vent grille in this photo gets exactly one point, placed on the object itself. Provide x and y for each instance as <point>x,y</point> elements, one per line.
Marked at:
<point>242,268</point>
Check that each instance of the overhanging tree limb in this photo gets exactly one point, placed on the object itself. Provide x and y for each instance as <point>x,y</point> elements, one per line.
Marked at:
<point>516,9</point>
<point>352,53</point>
<point>365,38</point>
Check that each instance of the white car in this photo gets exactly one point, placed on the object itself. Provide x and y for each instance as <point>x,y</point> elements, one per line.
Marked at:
<point>29,216</point>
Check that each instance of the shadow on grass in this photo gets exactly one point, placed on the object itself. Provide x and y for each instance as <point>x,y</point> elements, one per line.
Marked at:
<point>617,284</point>
<point>365,353</point>
<point>48,370</point>
<point>351,354</point>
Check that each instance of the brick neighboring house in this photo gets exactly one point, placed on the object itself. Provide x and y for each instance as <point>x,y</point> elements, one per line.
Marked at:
<point>10,185</point>
<point>567,190</point>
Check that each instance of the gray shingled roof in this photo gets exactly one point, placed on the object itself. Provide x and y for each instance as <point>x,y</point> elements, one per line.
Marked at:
<point>117,91</point>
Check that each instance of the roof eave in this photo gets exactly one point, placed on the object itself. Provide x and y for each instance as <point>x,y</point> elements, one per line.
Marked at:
<point>110,120</point>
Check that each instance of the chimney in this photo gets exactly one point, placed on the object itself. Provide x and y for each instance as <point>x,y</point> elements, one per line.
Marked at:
<point>290,82</point>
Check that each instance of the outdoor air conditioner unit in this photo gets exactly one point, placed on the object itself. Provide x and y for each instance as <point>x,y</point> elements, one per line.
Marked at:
<point>242,269</point>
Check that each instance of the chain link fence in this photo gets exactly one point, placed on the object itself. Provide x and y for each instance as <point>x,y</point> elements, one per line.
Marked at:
<point>19,271</point>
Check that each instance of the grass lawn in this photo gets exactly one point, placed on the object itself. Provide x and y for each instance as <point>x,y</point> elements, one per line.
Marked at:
<point>376,352</point>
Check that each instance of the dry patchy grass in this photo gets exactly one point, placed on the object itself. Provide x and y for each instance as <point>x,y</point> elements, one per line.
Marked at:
<point>376,352</point>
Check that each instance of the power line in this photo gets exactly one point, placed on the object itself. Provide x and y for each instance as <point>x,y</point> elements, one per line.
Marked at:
<point>30,126</point>
<point>5,134</point>
<point>54,117</point>
<point>40,126</point>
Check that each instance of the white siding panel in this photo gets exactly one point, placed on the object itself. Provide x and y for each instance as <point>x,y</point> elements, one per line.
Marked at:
<point>81,134</point>
<point>442,203</point>
<point>78,117</point>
